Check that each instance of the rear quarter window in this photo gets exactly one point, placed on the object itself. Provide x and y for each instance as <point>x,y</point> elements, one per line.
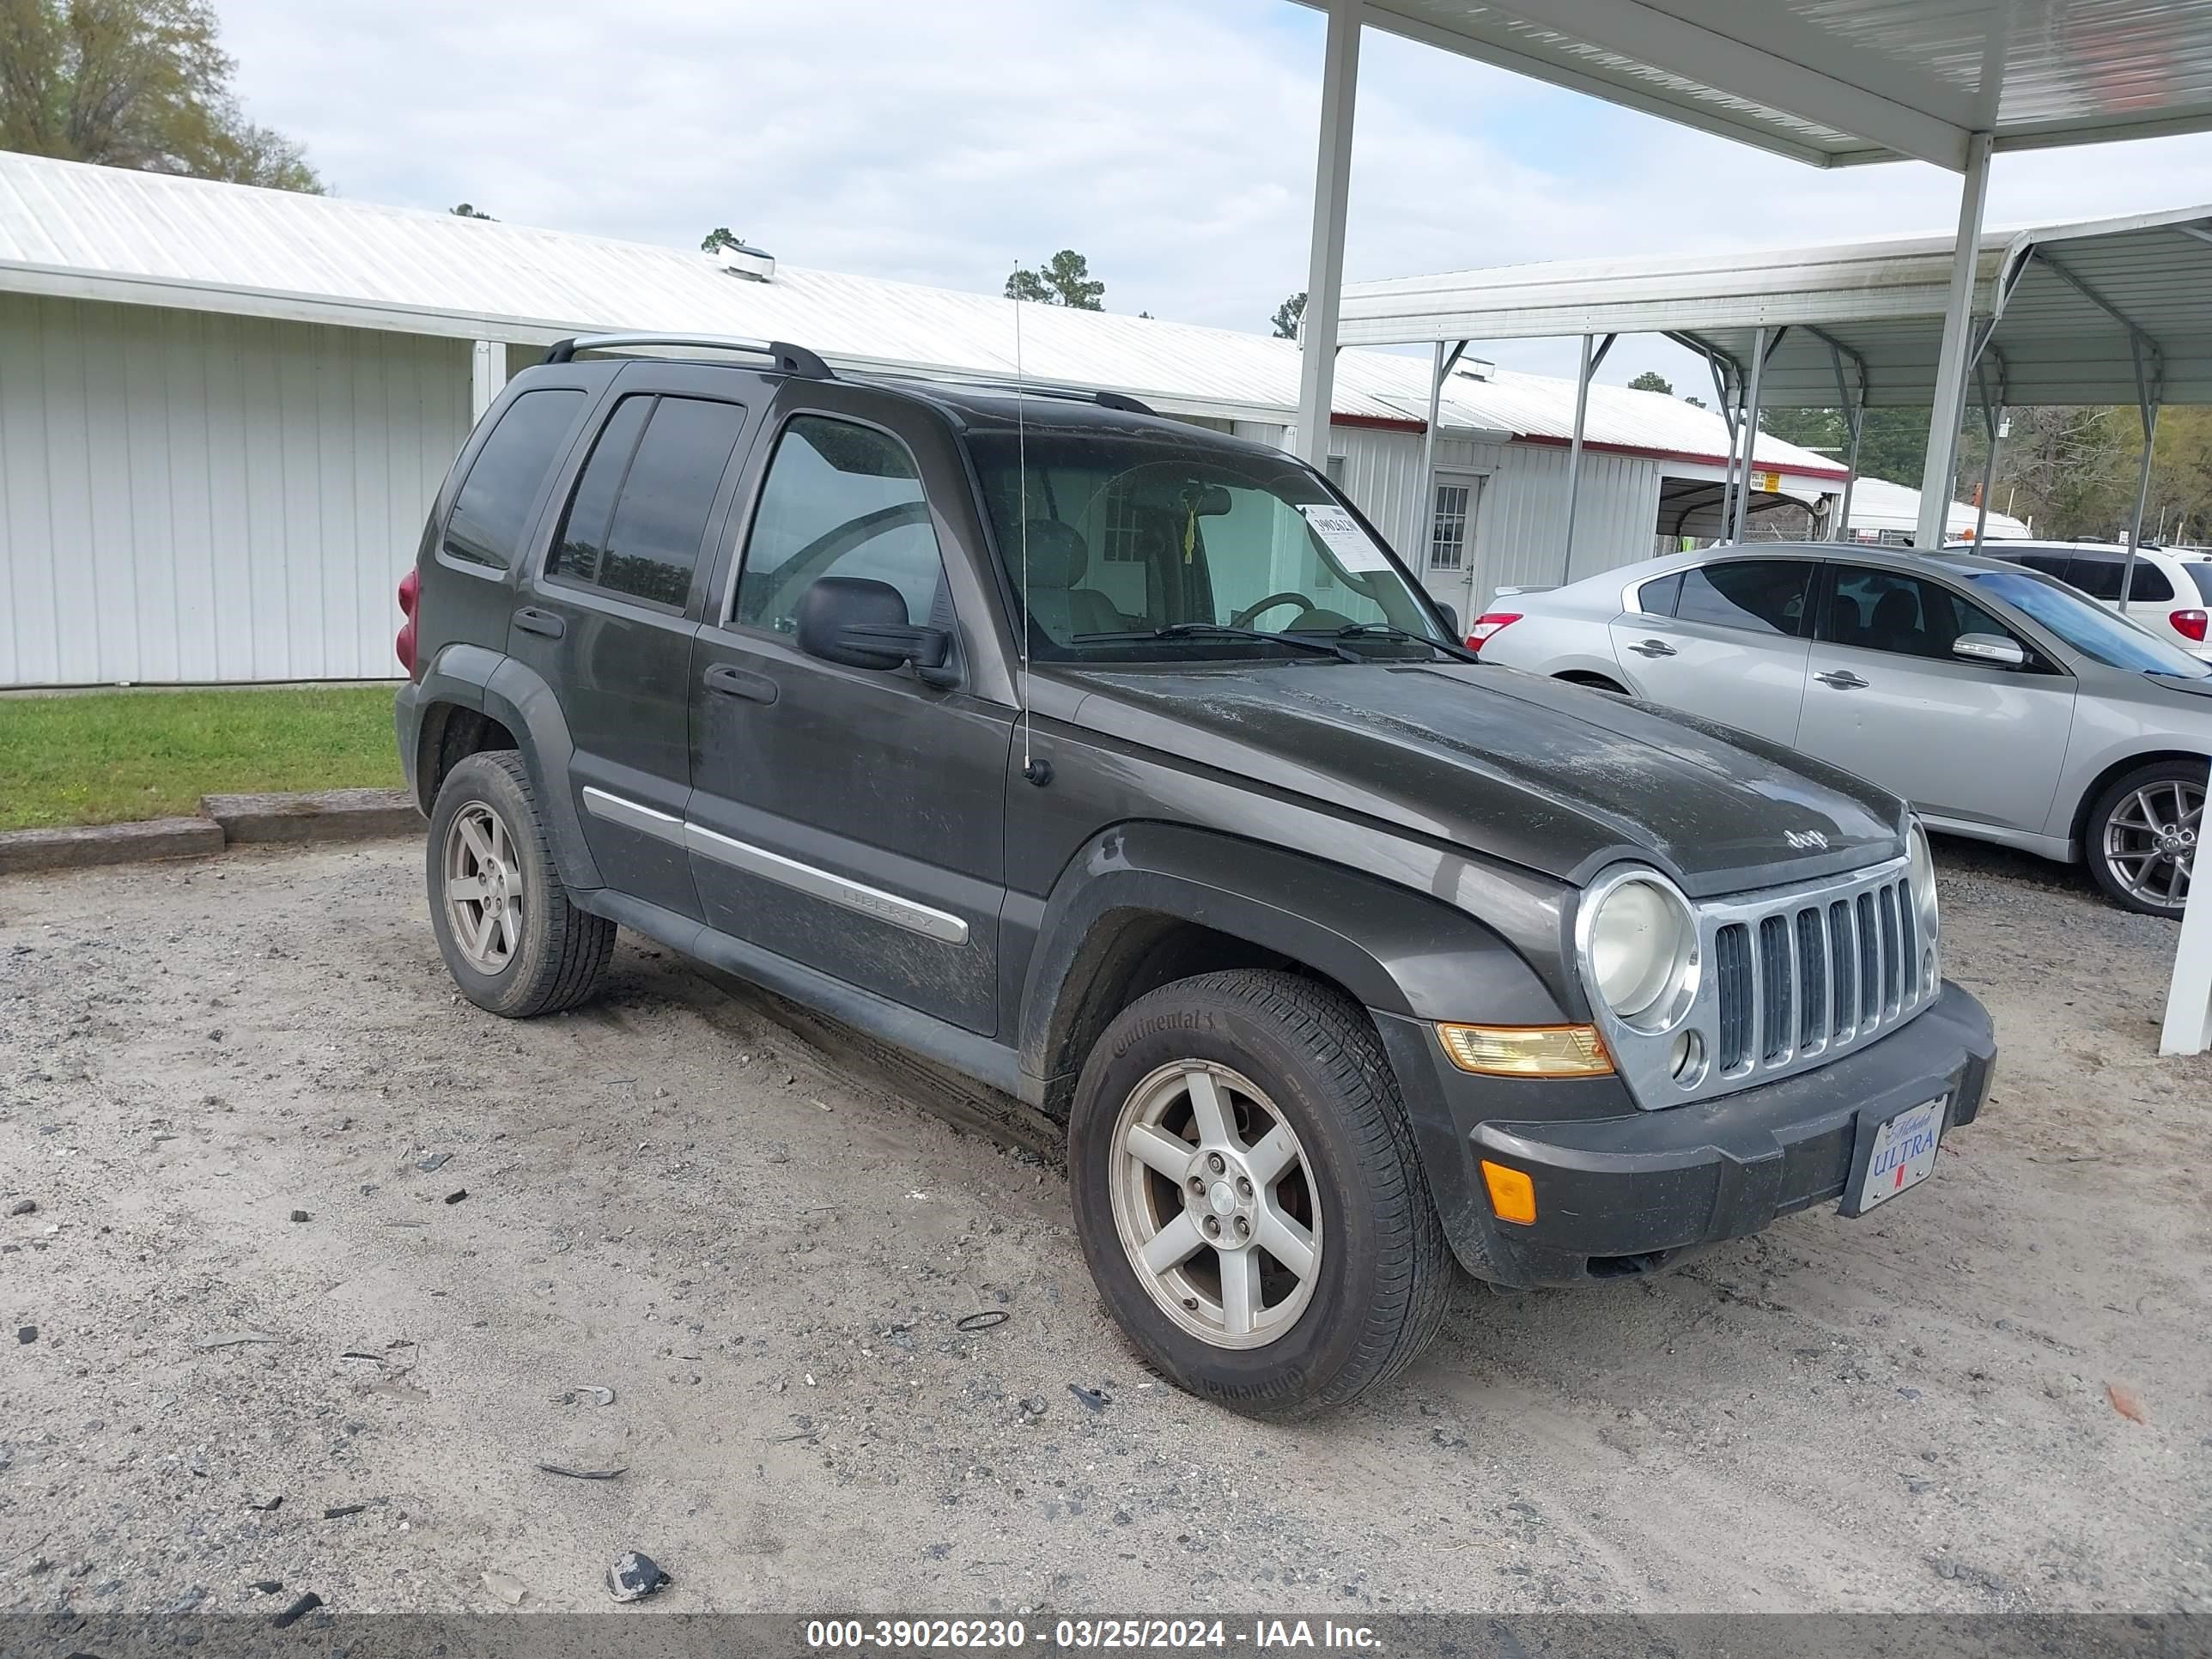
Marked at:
<point>492,511</point>
<point>2200,572</point>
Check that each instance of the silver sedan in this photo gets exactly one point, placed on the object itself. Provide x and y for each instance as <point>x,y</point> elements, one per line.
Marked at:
<point>2003,704</point>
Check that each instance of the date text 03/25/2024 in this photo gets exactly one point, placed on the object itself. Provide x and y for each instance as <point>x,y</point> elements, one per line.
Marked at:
<point>1262,1635</point>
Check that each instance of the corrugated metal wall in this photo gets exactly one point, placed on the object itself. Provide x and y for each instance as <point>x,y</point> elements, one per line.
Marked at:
<point>1521,520</point>
<point>186,497</point>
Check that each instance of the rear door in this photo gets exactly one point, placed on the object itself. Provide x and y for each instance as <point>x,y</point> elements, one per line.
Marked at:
<point>1734,649</point>
<point>848,818</point>
<point>606,616</point>
<point>1887,700</point>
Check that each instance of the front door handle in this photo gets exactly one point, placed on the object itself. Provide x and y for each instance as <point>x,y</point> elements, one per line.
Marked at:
<point>1652,648</point>
<point>736,683</point>
<point>532,620</point>
<point>1842,678</point>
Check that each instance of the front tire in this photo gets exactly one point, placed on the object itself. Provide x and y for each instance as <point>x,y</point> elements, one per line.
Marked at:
<point>1249,1195</point>
<point>513,939</point>
<point>2141,833</point>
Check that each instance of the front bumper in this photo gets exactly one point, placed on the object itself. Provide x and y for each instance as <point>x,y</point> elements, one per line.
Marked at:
<point>1623,1191</point>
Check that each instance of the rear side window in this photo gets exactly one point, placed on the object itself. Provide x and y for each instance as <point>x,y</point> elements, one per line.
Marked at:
<point>1659,599</point>
<point>1760,596</point>
<point>638,515</point>
<point>2200,572</point>
<point>492,511</point>
<point>841,500</point>
<point>2098,576</point>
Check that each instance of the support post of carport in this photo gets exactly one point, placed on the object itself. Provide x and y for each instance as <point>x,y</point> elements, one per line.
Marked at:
<point>1442,367</point>
<point>1340,92</point>
<point>1750,435</point>
<point>2148,392</point>
<point>1950,400</point>
<point>1992,418</point>
<point>1589,366</point>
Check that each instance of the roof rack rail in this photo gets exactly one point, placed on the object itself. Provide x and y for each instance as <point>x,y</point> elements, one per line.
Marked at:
<point>1121,400</point>
<point>787,358</point>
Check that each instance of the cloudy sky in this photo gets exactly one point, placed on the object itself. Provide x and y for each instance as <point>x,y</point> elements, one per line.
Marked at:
<point>1172,141</point>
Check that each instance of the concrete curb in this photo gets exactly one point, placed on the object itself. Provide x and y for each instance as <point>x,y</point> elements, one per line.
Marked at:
<point>87,845</point>
<point>328,815</point>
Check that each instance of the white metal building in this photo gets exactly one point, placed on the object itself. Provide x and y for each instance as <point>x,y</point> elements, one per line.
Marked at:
<point>224,412</point>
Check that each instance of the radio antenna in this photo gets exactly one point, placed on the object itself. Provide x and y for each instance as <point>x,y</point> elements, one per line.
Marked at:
<point>1022,476</point>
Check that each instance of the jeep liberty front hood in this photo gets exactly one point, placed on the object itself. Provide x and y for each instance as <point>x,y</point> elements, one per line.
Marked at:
<point>1552,777</point>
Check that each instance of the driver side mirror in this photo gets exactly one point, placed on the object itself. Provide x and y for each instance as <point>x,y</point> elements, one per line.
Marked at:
<point>861,623</point>
<point>1990,648</point>
<point>1450,613</point>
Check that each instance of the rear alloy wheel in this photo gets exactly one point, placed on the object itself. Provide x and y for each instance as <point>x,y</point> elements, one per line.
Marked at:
<point>2141,836</point>
<point>1249,1195</point>
<point>512,938</point>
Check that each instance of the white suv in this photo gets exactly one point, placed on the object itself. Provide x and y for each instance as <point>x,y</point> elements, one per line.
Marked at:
<point>2170,594</point>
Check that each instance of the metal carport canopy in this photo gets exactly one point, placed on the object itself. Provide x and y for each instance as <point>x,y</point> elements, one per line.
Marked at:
<point>1844,82</point>
<point>2055,306</point>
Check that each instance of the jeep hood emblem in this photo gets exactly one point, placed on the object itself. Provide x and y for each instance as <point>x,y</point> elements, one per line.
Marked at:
<point>1806,841</point>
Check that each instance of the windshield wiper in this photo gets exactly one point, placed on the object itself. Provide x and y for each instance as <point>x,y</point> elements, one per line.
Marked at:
<point>1392,631</point>
<point>1228,630</point>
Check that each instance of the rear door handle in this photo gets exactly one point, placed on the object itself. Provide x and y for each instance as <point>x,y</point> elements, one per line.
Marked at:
<point>532,620</point>
<point>1842,678</point>
<point>736,683</point>
<point>1652,648</point>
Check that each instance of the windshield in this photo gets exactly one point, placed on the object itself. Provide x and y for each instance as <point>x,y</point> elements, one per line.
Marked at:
<point>1126,534</point>
<point>2088,627</point>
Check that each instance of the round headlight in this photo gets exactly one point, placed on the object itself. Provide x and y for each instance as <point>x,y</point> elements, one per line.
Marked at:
<point>1641,946</point>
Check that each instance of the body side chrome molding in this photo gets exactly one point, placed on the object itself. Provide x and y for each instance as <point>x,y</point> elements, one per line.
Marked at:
<point>817,882</point>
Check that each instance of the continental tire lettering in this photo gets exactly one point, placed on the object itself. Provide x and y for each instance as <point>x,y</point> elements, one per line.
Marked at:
<point>1180,1020</point>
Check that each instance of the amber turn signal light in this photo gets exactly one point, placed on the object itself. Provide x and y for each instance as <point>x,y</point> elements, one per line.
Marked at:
<point>1512,1194</point>
<point>1526,1050</point>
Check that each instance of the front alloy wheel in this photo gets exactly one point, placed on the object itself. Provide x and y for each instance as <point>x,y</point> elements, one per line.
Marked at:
<point>1250,1196</point>
<point>1214,1204</point>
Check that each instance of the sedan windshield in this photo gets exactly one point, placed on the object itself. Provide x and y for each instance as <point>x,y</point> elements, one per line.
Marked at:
<point>2088,627</point>
<point>1140,545</point>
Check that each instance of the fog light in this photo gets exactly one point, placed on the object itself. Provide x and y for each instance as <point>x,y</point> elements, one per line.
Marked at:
<point>1686,1058</point>
<point>1512,1194</point>
<point>1526,1050</point>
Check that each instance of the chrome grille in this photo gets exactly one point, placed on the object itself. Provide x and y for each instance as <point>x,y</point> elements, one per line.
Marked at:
<point>1784,986</point>
<point>1793,977</point>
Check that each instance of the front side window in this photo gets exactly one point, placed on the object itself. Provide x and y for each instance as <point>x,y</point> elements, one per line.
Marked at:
<point>1889,610</point>
<point>638,514</point>
<point>841,500</point>
<point>1759,596</point>
<point>492,511</point>
<point>1204,537</point>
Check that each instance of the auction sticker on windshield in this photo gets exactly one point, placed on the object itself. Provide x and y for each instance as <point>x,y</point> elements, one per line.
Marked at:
<point>1904,1152</point>
<point>1340,533</point>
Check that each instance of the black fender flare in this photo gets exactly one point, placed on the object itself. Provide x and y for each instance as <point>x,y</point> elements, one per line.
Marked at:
<point>1396,951</point>
<point>514,695</point>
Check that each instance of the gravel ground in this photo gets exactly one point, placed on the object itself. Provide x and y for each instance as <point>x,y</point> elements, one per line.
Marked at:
<point>1991,1395</point>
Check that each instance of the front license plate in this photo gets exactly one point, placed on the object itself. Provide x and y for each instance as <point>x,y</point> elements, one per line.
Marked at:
<point>1904,1152</point>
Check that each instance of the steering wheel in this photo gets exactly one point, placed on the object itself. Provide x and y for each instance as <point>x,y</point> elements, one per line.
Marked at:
<point>1243,619</point>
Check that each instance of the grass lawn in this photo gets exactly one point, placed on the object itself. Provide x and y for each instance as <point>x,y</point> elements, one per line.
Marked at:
<point>105,756</point>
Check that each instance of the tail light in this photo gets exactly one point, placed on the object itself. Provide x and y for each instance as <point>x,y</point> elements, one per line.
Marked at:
<point>1487,625</point>
<point>410,593</point>
<point>2190,624</point>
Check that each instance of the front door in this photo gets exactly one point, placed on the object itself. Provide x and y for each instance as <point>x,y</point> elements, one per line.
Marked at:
<point>1728,642</point>
<point>1448,572</point>
<point>849,819</point>
<point>606,618</point>
<point>1888,700</point>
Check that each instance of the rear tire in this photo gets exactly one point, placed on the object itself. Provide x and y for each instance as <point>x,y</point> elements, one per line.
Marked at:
<point>513,939</point>
<point>2140,837</point>
<point>1243,1131</point>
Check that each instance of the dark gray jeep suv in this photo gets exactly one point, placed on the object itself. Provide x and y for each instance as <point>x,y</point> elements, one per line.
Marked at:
<point>1118,765</point>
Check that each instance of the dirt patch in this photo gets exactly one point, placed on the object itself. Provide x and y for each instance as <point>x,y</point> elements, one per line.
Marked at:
<point>767,1254</point>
